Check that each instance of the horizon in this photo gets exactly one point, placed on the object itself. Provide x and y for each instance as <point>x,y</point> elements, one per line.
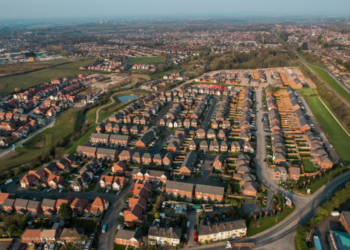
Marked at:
<point>79,9</point>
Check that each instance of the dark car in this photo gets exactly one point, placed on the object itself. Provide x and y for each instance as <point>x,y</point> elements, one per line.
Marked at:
<point>17,182</point>
<point>195,226</point>
<point>265,160</point>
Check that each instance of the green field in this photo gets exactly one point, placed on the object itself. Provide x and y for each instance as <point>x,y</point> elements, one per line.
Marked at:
<point>308,166</point>
<point>332,129</point>
<point>306,92</point>
<point>52,135</point>
<point>24,81</point>
<point>150,60</point>
<point>323,74</point>
<point>266,223</point>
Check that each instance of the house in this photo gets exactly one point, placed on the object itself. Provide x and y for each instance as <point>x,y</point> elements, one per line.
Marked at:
<point>207,192</point>
<point>247,178</point>
<point>157,159</point>
<point>280,173</point>
<point>119,167</point>
<point>31,236</point>
<point>211,134</point>
<point>86,151</point>
<point>345,220</point>
<point>156,175</point>
<point>3,197</point>
<point>203,145</point>
<point>70,235</point>
<point>168,159</point>
<point>221,134</point>
<point>106,181</point>
<point>119,139</point>
<point>50,235</point>
<point>134,214</point>
<point>294,173</point>
<point>146,159</point>
<point>129,237</point>
<point>200,133</point>
<point>55,181</point>
<point>214,146</point>
<point>107,153</point>
<point>144,190</point>
<point>179,188</point>
<point>188,163</point>
<point>79,184</point>
<point>119,183</point>
<point>78,205</point>
<point>221,230</point>
<point>34,207</point>
<point>142,202</point>
<point>250,189</point>
<point>21,206</point>
<point>8,205</point>
<point>218,162</point>
<point>49,207</point>
<point>99,138</point>
<point>164,236</point>
<point>145,139</point>
<point>99,205</point>
<point>136,157</point>
<point>125,156</point>
<point>224,146</point>
<point>339,240</point>
<point>323,161</point>
<point>192,145</point>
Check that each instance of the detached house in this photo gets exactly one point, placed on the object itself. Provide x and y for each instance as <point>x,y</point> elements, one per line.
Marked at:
<point>129,237</point>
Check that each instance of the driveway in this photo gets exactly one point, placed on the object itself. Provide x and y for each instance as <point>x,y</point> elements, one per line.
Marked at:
<point>192,216</point>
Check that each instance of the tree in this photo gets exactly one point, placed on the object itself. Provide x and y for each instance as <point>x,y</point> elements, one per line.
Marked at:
<point>17,89</point>
<point>65,212</point>
<point>304,46</point>
<point>157,215</point>
<point>165,59</point>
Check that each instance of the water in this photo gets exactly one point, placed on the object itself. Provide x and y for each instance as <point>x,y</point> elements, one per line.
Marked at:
<point>127,98</point>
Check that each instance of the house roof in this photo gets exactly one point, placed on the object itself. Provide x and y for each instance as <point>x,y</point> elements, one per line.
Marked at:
<point>188,187</point>
<point>8,202</point>
<point>48,203</point>
<point>31,233</point>
<point>189,160</point>
<point>100,136</point>
<point>173,233</point>
<point>71,232</point>
<point>33,204</point>
<point>129,234</point>
<point>48,233</point>
<point>294,171</point>
<point>21,203</point>
<point>207,229</point>
<point>206,189</point>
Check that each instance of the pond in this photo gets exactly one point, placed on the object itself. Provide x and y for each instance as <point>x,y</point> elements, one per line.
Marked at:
<point>127,98</point>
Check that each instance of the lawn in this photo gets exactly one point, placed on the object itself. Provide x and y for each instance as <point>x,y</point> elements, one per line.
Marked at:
<point>150,60</point>
<point>329,80</point>
<point>53,135</point>
<point>306,92</point>
<point>161,74</point>
<point>83,139</point>
<point>266,223</point>
<point>308,166</point>
<point>332,129</point>
<point>24,81</point>
<point>88,225</point>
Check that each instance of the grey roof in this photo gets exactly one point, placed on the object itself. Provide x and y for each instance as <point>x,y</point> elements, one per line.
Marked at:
<point>156,173</point>
<point>129,234</point>
<point>219,227</point>
<point>206,189</point>
<point>48,203</point>
<point>107,151</point>
<point>100,136</point>
<point>139,170</point>
<point>157,157</point>
<point>179,185</point>
<point>119,137</point>
<point>71,232</point>
<point>8,202</point>
<point>21,203</point>
<point>248,177</point>
<point>189,160</point>
<point>33,204</point>
<point>174,233</point>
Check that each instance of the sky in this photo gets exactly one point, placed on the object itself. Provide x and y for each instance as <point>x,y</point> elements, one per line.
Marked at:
<point>42,9</point>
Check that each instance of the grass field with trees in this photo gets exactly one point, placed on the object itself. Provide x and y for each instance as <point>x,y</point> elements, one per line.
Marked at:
<point>332,129</point>
<point>31,79</point>
<point>325,76</point>
<point>146,60</point>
